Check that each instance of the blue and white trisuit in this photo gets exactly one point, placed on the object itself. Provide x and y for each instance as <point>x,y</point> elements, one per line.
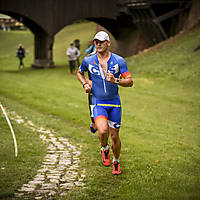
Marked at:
<point>105,100</point>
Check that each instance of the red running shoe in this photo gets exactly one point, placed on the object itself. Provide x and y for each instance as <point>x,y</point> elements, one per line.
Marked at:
<point>116,168</point>
<point>105,157</point>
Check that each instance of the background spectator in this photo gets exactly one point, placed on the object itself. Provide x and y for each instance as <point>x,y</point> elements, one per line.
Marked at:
<point>73,53</point>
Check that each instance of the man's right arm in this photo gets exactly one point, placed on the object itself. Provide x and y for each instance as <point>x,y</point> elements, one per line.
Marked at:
<point>83,80</point>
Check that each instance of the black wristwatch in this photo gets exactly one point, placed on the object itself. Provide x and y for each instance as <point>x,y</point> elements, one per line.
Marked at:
<point>84,84</point>
<point>117,80</point>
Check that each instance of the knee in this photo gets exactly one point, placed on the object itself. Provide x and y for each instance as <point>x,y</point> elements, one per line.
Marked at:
<point>102,131</point>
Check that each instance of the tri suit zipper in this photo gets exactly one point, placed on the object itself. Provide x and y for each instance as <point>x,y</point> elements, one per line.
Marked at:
<point>103,77</point>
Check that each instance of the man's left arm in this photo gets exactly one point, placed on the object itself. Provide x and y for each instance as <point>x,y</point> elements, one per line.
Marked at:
<point>126,82</point>
<point>125,73</point>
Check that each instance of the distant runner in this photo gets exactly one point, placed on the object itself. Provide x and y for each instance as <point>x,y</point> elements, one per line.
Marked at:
<point>105,68</point>
<point>20,54</point>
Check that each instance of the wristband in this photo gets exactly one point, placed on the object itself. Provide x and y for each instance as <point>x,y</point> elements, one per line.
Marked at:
<point>84,84</point>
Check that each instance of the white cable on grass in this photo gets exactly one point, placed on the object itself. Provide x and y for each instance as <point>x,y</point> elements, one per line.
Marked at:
<point>11,129</point>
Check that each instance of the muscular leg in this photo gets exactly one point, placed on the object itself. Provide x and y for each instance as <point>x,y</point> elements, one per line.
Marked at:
<point>116,143</point>
<point>116,147</point>
<point>102,127</point>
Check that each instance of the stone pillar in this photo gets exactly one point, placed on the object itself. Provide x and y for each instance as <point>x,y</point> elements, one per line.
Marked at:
<point>129,42</point>
<point>43,50</point>
<point>194,15</point>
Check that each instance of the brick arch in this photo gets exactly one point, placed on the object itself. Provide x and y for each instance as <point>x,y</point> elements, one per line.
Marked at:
<point>33,26</point>
<point>43,54</point>
<point>132,23</point>
<point>47,17</point>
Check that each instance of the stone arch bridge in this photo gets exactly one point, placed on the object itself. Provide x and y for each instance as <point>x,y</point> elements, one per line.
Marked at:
<point>135,24</point>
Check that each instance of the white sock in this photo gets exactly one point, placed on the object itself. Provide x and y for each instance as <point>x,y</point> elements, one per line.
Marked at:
<point>114,159</point>
<point>105,148</point>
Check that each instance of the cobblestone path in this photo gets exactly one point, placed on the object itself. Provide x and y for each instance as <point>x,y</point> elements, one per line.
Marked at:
<point>60,168</point>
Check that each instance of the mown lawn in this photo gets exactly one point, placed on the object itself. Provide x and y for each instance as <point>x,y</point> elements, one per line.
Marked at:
<point>160,123</point>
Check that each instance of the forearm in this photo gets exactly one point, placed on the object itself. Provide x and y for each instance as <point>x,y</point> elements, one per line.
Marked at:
<point>81,77</point>
<point>127,82</point>
<point>84,81</point>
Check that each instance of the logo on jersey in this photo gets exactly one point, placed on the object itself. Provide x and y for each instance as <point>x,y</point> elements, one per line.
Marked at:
<point>114,69</point>
<point>94,69</point>
<point>113,124</point>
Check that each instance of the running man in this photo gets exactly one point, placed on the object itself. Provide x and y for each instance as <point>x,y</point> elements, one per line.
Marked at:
<point>105,68</point>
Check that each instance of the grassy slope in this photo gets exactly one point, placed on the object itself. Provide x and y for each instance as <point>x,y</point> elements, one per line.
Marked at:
<point>68,35</point>
<point>160,127</point>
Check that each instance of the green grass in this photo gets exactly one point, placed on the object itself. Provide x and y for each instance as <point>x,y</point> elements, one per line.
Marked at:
<point>14,171</point>
<point>160,122</point>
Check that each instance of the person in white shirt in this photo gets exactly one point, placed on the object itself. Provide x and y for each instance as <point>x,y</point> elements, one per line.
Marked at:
<point>73,53</point>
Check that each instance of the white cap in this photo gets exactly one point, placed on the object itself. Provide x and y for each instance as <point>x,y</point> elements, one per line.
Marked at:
<point>102,36</point>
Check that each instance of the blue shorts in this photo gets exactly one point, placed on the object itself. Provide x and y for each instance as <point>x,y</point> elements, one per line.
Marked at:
<point>109,110</point>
